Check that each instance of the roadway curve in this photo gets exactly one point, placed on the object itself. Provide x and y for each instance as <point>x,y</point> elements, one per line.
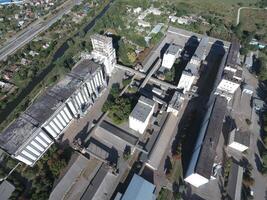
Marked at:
<point>19,40</point>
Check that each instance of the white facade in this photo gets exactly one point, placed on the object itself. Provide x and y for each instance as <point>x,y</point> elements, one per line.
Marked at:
<point>228,86</point>
<point>196,180</point>
<point>76,105</point>
<point>168,60</point>
<point>237,146</point>
<point>103,51</point>
<point>141,114</point>
<point>138,125</point>
<point>31,135</point>
<point>34,149</point>
<point>186,81</point>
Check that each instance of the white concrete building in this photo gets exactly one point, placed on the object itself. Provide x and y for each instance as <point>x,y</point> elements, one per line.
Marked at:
<point>171,55</point>
<point>104,52</point>
<point>29,137</point>
<point>176,103</point>
<point>186,81</point>
<point>141,114</point>
<point>201,167</point>
<point>238,140</point>
<point>191,71</point>
<point>232,74</point>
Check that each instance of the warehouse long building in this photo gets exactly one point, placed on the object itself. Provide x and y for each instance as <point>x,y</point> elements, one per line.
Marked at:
<point>29,136</point>
<point>200,169</point>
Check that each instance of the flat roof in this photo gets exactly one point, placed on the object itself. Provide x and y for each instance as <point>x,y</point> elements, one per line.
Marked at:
<point>230,76</point>
<point>101,185</point>
<point>207,153</point>
<point>85,68</point>
<point>101,38</point>
<point>177,100</point>
<point>233,53</point>
<point>112,131</point>
<point>191,69</point>
<point>43,108</point>
<point>142,109</point>
<point>71,176</point>
<point>98,148</point>
<point>16,134</point>
<point>6,190</point>
<point>153,138</point>
<point>242,137</point>
<point>234,185</point>
<point>173,49</point>
<point>72,81</point>
<point>66,87</point>
<point>139,189</point>
<point>163,141</point>
<point>201,49</point>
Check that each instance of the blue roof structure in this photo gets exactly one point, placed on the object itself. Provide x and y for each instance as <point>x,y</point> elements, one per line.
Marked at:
<point>139,189</point>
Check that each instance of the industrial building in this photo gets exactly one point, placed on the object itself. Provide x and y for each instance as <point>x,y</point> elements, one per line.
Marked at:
<point>141,114</point>
<point>138,189</point>
<point>6,190</point>
<point>171,55</point>
<point>104,52</point>
<point>28,137</point>
<point>176,103</point>
<point>238,140</point>
<point>162,141</point>
<point>232,74</point>
<point>115,136</point>
<point>201,166</point>
<point>235,179</point>
<point>191,71</point>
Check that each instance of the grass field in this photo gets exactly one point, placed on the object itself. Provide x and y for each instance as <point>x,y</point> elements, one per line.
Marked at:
<point>227,9</point>
<point>254,21</point>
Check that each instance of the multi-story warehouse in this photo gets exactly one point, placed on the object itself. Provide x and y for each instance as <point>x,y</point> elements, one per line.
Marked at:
<point>171,55</point>
<point>191,71</point>
<point>201,167</point>
<point>141,114</point>
<point>232,74</point>
<point>103,51</point>
<point>27,138</point>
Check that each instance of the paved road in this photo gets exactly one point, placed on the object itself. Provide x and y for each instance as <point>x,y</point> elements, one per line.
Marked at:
<point>33,30</point>
<point>240,112</point>
<point>260,186</point>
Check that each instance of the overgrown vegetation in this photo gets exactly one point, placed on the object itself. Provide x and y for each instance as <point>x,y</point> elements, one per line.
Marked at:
<point>118,107</point>
<point>36,182</point>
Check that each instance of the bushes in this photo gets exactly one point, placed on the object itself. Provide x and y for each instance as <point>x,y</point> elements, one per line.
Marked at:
<point>119,108</point>
<point>126,82</point>
<point>248,181</point>
<point>126,53</point>
<point>40,178</point>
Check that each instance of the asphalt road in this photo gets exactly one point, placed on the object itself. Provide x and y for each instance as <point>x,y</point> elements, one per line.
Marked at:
<point>33,30</point>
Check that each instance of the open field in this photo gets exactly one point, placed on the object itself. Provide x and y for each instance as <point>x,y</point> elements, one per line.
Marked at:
<point>254,21</point>
<point>227,9</point>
